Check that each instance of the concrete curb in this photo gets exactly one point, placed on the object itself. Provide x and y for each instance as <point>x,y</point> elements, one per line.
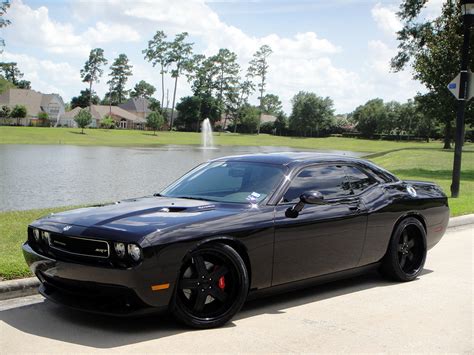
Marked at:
<point>29,286</point>
<point>18,288</point>
<point>461,220</point>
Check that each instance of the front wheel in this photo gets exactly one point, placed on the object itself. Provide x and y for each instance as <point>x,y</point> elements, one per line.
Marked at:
<point>212,286</point>
<point>406,253</point>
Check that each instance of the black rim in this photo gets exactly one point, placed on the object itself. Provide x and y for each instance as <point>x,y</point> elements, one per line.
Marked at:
<point>410,250</point>
<point>208,285</point>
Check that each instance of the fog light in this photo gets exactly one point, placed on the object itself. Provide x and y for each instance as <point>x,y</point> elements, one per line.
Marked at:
<point>46,237</point>
<point>135,252</point>
<point>36,234</point>
<point>119,249</point>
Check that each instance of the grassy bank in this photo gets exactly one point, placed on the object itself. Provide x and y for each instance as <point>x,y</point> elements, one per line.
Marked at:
<point>37,135</point>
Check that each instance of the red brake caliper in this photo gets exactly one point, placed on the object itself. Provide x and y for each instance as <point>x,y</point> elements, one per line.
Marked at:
<point>221,283</point>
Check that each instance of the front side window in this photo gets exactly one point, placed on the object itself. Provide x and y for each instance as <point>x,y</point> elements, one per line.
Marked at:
<point>330,180</point>
<point>230,181</point>
<point>358,179</point>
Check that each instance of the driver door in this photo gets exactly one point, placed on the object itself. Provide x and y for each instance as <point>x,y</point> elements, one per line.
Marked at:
<point>323,238</point>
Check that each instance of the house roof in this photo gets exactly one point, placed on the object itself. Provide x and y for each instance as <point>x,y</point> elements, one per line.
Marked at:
<point>139,104</point>
<point>268,118</point>
<point>29,98</point>
<point>100,111</point>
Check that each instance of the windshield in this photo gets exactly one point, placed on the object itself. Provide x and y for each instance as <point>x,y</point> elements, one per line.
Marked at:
<point>228,181</point>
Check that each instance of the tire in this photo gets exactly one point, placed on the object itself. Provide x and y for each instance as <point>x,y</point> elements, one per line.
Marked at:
<point>406,252</point>
<point>212,287</point>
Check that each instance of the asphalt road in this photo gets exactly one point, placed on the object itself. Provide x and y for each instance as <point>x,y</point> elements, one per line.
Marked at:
<point>363,314</point>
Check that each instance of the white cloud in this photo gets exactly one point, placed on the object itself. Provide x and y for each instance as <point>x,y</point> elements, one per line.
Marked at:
<point>35,28</point>
<point>386,19</point>
<point>45,75</point>
<point>104,33</point>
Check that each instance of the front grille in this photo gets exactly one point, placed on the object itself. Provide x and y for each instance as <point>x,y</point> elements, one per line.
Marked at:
<point>80,246</point>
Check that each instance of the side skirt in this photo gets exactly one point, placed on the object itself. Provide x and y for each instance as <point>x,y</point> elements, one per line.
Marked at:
<point>318,280</point>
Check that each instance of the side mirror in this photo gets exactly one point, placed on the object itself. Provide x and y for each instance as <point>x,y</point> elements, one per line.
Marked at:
<point>312,198</point>
<point>309,197</point>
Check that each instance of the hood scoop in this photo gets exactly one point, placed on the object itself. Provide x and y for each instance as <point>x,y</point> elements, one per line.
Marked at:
<point>173,209</point>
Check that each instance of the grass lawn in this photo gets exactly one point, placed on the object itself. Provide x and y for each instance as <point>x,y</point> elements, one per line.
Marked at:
<point>37,135</point>
<point>408,160</point>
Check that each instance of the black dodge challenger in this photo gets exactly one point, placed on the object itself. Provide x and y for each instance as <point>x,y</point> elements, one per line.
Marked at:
<point>234,228</point>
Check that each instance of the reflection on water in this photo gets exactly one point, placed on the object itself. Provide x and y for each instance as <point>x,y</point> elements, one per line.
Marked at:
<point>37,176</point>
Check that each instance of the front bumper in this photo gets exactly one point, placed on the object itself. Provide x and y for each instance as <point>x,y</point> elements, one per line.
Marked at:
<point>98,289</point>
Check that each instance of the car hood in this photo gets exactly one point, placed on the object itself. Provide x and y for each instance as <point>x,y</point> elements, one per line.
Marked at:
<point>135,218</point>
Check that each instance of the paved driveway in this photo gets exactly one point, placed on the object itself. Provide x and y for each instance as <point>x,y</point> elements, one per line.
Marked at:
<point>364,314</point>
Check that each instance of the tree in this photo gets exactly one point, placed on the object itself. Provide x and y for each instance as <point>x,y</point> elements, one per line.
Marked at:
<point>5,111</point>
<point>281,123</point>
<point>189,108</point>
<point>226,81</point>
<point>18,111</point>
<point>92,70</point>
<point>83,119</point>
<point>11,72</point>
<point>107,122</point>
<point>43,117</point>
<point>369,116</point>
<point>179,53</point>
<point>154,105</point>
<point>311,112</point>
<point>431,48</point>
<point>271,104</point>
<point>143,90</point>
<point>84,99</point>
<point>201,73</point>
<point>4,5</point>
<point>259,68</point>
<point>154,121</point>
<point>249,118</point>
<point>157,54</point>
<point>23,84</point>
<point>120,70</point>
<point>245,88</point>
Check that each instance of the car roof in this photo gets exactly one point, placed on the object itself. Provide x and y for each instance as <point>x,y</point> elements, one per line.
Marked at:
<point>289,158</point>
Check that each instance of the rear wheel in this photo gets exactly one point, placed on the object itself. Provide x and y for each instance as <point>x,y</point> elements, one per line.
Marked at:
<point>406,253</point>
<point>212,286</point>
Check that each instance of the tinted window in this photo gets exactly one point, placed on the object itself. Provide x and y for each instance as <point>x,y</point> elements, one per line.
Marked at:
<point>230,181</point>
<point>358,179</point>
<point>330,180</point>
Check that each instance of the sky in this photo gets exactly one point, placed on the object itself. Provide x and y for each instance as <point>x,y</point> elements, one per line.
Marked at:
<point>337,48</point>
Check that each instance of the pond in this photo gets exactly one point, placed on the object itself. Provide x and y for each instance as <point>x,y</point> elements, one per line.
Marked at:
<point>39,176</point>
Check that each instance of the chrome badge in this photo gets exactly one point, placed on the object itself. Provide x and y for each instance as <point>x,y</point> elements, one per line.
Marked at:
<point>65,229</point>
<point>411,190</point>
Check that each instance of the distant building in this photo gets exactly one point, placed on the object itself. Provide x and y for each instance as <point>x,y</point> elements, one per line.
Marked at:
<point>137,106</point>
<point>122,118</point>
<point>35,102</point>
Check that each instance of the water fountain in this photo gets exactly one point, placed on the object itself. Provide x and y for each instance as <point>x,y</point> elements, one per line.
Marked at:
<point>206,134</point>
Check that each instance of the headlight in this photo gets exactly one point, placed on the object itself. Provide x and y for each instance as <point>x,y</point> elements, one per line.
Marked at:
<point>135,252</point>
<point>119,249</point>
<point>46,236</point>
<point>36,234</point>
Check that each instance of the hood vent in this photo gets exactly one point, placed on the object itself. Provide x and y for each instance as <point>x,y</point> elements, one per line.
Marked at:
<point>173,209</point>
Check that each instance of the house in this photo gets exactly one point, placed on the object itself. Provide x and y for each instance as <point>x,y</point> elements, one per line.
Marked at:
<point>122,118</point>
<point>35,102</point>
<point>138,106</point>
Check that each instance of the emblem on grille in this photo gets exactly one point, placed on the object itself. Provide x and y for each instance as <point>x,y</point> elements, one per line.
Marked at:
<point>103,251</point>
<point>67,228</point>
